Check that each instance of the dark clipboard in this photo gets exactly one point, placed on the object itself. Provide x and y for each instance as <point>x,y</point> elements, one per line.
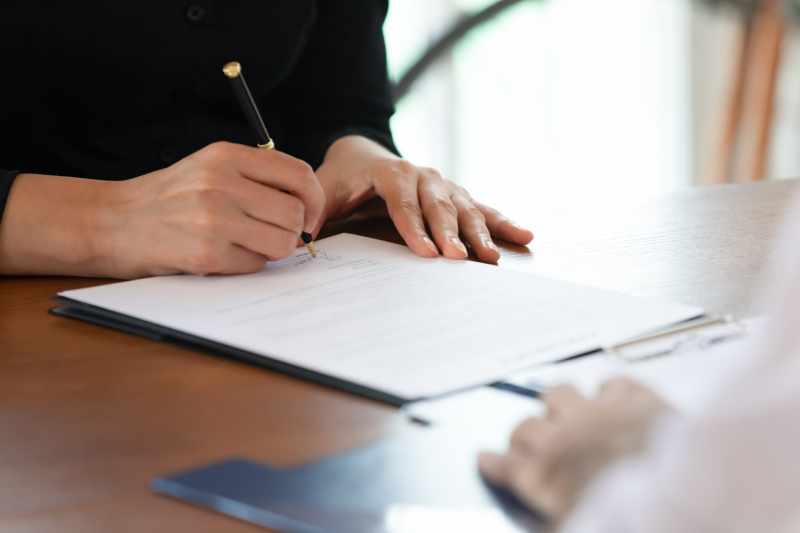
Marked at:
<point>74,309</point>
<point>428,470</point>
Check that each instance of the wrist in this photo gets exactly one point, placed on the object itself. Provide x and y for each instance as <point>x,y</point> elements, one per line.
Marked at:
<point>348,172</point>
<point>103,224</point>
<point>55,225</point>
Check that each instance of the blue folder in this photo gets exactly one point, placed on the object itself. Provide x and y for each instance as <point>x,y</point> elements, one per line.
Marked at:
<point>425,481</point>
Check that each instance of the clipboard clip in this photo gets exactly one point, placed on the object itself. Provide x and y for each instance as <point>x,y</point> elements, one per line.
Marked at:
<point>699,334</point>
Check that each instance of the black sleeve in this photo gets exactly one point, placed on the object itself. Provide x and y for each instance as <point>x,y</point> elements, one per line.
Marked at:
<point>6,180</point>
<point>340,85</point>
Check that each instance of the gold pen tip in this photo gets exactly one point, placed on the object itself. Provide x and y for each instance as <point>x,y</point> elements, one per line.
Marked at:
<point>232,69</point>
<point>312,249</point>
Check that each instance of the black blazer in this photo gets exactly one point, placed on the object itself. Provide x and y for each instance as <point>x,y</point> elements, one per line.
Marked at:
<point>112,90</point>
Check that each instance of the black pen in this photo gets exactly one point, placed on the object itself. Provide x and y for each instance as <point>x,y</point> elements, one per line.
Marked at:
<point>233,71</point>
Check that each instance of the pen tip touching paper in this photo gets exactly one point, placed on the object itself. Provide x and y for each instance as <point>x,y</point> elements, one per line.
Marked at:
<point>308,240</point>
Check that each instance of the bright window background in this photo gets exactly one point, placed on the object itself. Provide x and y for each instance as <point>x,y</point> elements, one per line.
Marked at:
<point>554,98</point>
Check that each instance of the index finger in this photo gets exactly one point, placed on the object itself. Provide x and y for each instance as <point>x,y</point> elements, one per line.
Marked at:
<point>283,172</point>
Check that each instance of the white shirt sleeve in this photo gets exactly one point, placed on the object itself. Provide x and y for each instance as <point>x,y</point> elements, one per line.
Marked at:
<point>735,468</point>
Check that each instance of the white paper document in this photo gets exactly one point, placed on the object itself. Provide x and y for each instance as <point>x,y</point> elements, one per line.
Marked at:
<point>373,314</point>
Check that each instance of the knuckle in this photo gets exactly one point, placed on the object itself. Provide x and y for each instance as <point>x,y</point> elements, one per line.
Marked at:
<point>442,203</point>
<point>302,171</point>
<point>304,175</point>
<point>432,174</point>
<point>219,150</point>
<point>474,213</point>
<point>408,206</point>
<point>402,166</point>
<point>492,211</point>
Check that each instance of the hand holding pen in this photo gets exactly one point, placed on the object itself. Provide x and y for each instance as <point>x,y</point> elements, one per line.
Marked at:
<point>233,71</point>
<point>224,209</point>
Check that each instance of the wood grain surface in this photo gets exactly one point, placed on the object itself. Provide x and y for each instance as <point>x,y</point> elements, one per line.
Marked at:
<point>89,416</point>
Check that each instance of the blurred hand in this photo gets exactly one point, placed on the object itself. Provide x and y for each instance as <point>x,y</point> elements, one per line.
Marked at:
<point>224,209</point>
<point>551,460</point>
<point>356,170</point>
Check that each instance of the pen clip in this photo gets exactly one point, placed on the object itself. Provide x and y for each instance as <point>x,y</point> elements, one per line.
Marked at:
<point>698,334</point>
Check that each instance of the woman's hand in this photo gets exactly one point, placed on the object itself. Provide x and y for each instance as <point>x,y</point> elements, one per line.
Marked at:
<point>551,460</point>
<point>224,209</point>
<point>357,169</point>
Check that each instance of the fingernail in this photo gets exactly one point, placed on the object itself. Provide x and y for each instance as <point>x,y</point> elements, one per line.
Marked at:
<point>429,243</point>
<point>458,244</point>
<point>489,243</point>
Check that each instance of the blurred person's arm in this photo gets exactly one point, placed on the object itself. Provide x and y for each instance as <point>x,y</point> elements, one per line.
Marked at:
<point>736,468</point>
<point>733,469</point>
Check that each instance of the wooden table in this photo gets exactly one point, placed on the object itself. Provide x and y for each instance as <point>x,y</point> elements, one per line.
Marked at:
<point>89,416</point>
